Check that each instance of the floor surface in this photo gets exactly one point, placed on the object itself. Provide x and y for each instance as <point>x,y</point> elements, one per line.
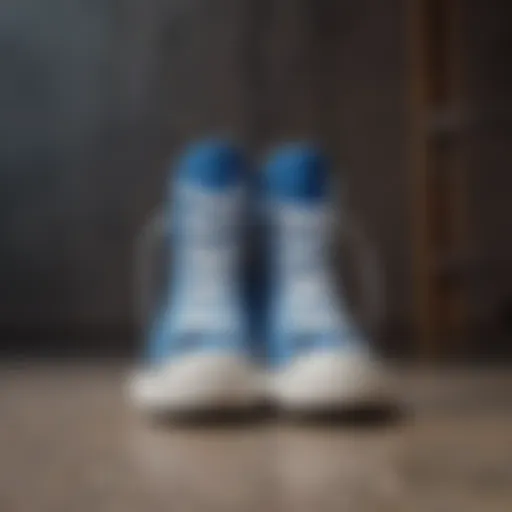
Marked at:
<point>69,442</point>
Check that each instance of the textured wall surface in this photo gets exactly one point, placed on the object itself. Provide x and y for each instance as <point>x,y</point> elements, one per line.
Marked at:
<point>489,143</point>
<point>96,96</point>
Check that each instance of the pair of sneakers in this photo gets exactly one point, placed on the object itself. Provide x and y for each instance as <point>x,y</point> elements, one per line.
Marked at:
<point>251,312</point>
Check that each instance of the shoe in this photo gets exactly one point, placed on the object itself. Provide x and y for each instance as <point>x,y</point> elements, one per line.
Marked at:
<point>318,357</point>
<point>198,347</point>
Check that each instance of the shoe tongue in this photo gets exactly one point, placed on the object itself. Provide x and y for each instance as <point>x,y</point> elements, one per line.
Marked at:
<point>298,173</point>
<point>214,165</point>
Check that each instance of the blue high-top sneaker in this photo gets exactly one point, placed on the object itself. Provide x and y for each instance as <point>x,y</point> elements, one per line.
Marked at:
<point>319,358</point>
<point>198,347</point>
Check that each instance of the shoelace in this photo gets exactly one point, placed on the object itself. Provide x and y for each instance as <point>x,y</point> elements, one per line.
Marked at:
<point>209,255</point>
<point>302,240</point>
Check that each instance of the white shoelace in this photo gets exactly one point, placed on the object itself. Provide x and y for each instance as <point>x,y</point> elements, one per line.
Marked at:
<point>209,255</point>
<point>303,237</point>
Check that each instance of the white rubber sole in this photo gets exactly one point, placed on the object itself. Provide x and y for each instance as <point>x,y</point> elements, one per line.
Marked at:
<point>198,382</point>
<point>329,381</point>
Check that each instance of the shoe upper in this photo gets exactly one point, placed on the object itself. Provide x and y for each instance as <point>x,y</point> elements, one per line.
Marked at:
<point>307,312</point>
<point>203,309</point>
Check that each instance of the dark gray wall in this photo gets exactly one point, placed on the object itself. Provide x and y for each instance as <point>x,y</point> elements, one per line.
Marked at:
<point>95,97</point>
<point>489,144</point>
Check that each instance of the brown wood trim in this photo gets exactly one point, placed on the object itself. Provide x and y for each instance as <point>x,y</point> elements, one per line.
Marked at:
<point>438,175</point>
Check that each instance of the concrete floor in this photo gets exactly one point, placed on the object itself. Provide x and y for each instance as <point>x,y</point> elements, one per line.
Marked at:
<point>68,442</point>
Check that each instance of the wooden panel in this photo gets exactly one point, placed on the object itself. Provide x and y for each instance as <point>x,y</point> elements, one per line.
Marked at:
<point>438,177</point>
